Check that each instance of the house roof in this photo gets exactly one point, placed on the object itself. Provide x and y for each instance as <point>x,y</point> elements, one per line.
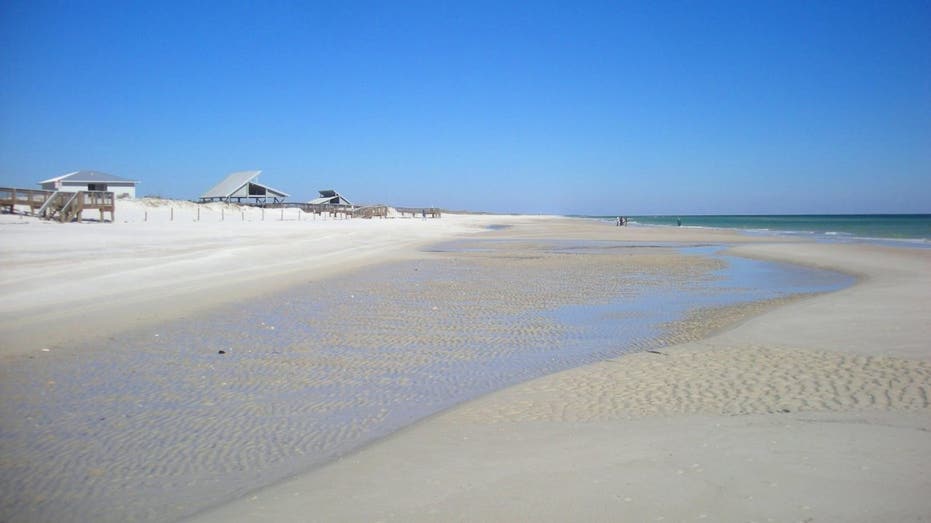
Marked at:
<point>327,195</point>
<point>236,181</point>
<point>89,177</point>
<point>231,184</point>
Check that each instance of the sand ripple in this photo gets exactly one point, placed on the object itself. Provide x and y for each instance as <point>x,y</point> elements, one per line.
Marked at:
<point>156,424</point>
<point>711,380</point>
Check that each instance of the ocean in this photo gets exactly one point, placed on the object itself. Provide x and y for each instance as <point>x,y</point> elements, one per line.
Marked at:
<point>912,228</point>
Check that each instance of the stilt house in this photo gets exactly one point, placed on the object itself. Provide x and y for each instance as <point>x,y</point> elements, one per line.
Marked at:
<point>78,181</point>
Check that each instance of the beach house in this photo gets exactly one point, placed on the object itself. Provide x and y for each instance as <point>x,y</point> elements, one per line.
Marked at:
<point>91,181</point>
<point>330,197</point>
<point>243,187</point>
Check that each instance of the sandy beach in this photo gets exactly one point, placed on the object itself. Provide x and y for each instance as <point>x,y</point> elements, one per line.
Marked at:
<point>166,259</point>
<point>816,410</point>
<point>787,409</point>
<point>465,261</point>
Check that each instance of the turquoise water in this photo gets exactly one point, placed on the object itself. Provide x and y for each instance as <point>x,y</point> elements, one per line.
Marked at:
<point>829,226</point>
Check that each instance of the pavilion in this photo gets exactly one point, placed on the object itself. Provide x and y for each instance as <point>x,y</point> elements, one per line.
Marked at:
<point>242,187</point>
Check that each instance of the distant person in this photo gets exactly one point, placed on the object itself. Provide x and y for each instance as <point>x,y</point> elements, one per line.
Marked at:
<point>618,221</point>
<point>423,213</point>
<point>678,222</point>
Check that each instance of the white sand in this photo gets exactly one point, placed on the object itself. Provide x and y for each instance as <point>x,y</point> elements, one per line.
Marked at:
<point>63,282</point>
<point>817,411</point>
<point>699,432</point>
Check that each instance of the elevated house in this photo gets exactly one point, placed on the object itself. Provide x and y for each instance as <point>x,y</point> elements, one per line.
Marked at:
<point>242,187</point>
<point>330,197</point>
<point>78,181</point>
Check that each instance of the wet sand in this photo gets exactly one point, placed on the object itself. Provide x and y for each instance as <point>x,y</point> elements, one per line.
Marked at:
<point>171,426</point>
<point>155,423</point>
<point>817,410</point>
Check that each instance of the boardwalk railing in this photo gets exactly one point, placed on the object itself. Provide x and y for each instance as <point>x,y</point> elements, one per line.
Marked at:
<point>314,208</point>
<point>381,211</point>
<point>32,198</point>
<point>61,205</point>
<point>365,211</point>
<point>420,212</point>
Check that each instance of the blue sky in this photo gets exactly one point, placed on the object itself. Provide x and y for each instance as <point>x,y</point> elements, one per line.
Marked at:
<point>556,107</point>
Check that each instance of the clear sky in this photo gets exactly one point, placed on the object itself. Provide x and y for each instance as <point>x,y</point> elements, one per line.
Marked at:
<point>558,107</point>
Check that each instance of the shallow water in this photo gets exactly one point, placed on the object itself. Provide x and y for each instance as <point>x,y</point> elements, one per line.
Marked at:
<point>836,227</point>
<point>157,424</point>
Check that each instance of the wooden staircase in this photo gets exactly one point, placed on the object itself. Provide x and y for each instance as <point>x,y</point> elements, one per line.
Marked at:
<point>57,205</point>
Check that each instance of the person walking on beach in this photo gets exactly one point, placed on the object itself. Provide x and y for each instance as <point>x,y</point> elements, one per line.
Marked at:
<point>678,222</point>
<point>619,221</point>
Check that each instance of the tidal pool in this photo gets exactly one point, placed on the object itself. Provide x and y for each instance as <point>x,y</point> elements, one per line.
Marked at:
<point>162,422</point>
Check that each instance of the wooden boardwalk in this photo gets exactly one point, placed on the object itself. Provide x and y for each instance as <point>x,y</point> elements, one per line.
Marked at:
<point>420,212</point>
<point>58,205</point>
<point>367,211</point>
<point>33,198</point>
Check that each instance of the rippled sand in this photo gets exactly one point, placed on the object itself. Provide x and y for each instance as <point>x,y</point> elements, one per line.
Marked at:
<point>157,423</point>
<point>729,381</point>
<point>816,410</point>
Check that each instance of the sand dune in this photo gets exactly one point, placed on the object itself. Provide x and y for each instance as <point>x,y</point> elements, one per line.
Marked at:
<point>158,263</point>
